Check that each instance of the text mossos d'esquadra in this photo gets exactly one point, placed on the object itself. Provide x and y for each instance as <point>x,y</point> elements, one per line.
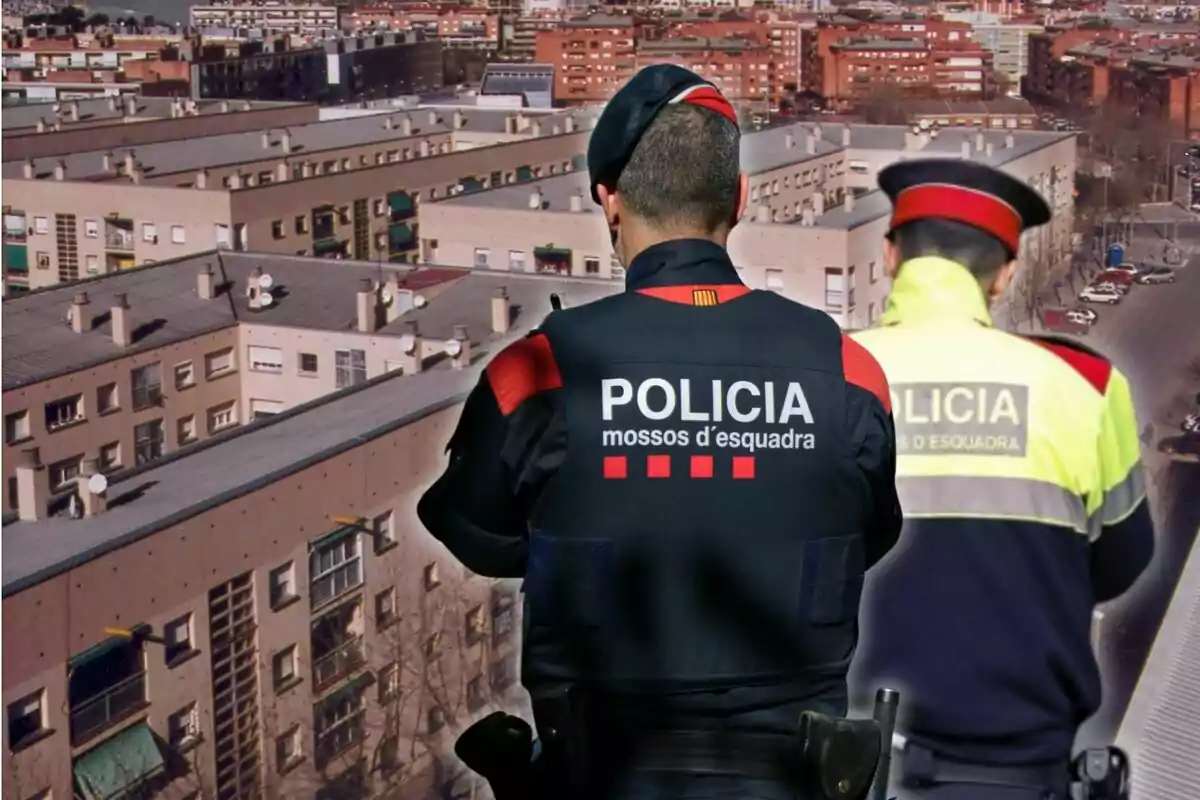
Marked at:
<point>715,410</point>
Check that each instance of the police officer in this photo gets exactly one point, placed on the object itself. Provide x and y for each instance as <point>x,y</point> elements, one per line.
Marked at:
<point>1025,500</point>
<point>690,476</point>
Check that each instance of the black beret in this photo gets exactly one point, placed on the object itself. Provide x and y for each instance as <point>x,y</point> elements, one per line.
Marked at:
<point>632,109</point>
<point>963,191</point>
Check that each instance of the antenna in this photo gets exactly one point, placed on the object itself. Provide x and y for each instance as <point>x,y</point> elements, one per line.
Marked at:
<point>419,301</point>
<point>97,484</point>
<point>453,347</point>
<point>265,282</point>
<point>408,343</point>
<point>386,297</point>
<point>265,298</point>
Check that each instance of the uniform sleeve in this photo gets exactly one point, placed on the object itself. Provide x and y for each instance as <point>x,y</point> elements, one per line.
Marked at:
<point>1123,531</point>
<point>510,440</point>
<point>873,436</point>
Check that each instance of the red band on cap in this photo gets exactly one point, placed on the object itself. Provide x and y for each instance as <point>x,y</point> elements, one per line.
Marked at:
<point>706,96</point>
<point>958,204</point>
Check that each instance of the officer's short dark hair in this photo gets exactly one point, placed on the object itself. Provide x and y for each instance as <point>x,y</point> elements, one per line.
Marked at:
<point>684,172</point>
<point>981,253</point>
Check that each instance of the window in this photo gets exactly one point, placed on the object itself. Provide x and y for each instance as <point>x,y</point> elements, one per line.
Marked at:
<point>185,429</point>
<point>835,284</point>
<point>146,383</point>
<point>41,225</point>
<point>63,412</point>
<point>873,271</point>
<point>481,257</point>
<point>870,313</point>
<point>308,363</point>
<point>504,673</point>
<point>265,359</point>
<point>26,718</point>
<point>435,719</point>
<point>177,635</point>
<point>282,582</point>
<point>474,625</point>
<point>149,232</point>
<point>110,457</point>
<point>222,417</point>
<point>221,233</point>
<point>850,288</point>
<point>775,280</point>
<point>433,645</point>
<point>183,727</point>
<point>432,579</point>
<point>389,683</point>
<point>218,363</point>
<point>185,375</point>
<point>377,207</point>
<point>335,568</point>
<point>261,409</point>
<point>475,696</point>
<point>385,608</point>
<point>178,235</point>
<point>283,668</point>
<point>91,264</point>
<point>288,749</point>
<point>16,426</point>
<point>277,229</point>
<point>502,619</point>
<point>516,260</point>
<point>43,260</point>
<point>350,367</point>
<point>301,224</point>
<point>106,398</point>
<point>148,441</point>
<point>591,266</point>
<point>63,472</point>
<point>385,534</point>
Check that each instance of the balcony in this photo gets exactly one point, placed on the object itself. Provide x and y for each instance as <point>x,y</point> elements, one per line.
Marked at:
<point>118,240</point>
<point>339,738</point>
<point>346,659</point>
<point>102,711</point>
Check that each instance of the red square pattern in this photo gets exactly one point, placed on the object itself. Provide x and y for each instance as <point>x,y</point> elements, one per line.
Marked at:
<point>702,466</point>
<point>658,466</point>
<point>743,468</point>
<point>616,467</point>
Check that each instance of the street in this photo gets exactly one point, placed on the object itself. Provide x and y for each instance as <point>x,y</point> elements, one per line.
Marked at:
<point>1153,337</point>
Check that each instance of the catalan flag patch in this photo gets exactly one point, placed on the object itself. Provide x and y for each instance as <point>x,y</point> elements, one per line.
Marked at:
<point>704,297</point>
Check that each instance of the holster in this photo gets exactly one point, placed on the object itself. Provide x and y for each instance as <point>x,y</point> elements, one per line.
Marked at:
<point>838,757</point>
<point>499,747</point>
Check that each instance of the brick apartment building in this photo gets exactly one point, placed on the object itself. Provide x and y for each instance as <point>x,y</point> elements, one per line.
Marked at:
<point>751,60</point>
<point>292,630</point>
<point>847,60</point>
<point>455,27</point>
<point>347,188</point>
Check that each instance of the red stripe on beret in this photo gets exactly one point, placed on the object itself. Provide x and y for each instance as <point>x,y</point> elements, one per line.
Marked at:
<point>959,204</point>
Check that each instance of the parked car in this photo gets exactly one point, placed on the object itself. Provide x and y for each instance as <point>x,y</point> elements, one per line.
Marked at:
<point>1127,266</point>
<point>1094,294</point>
<point>1111,286</point>
<point>1191,423</point>
<point>1082,316</point>
<point>1115,276</point>
<point>1160,275</point>
<point>1186,447</point>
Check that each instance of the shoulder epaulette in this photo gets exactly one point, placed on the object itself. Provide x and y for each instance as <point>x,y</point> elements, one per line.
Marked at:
<point>1094,367</point>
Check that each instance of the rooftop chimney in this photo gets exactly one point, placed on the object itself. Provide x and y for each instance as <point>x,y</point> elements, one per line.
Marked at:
<point>433,118</point>
<point>285,141</point>
<point>569,123</point>
<point>818,204</point>
<point>510,125</point>
<point>848,201</point>
<point>406,125</point>
<point>93,504</point>
<point>202,179</point>
<point>206,283</point>
<point>41,125</point>
<point>424,148</point>
<point>762,214</point>
<point>60,170</point>
<point>366,306</point>
<point>235,180</point>
<point>966,148</point>
<point>136,174</point>
<point>817,132</point>
<point>807,217</point>
<point>130,161</point>
<point>810,144</point>
<point>789,141</point>
<point>459,120</point>
<point>979,140</point>
<point>130,104</point>
<point>577,202</point>
<point>845,136</point>
<point>81,314</point>
<point>29,170</point>
<point>33,487</point>
<point>1010,141</point>
<point>991,148</point>
<point>107,161</point>
<point>112,102</point>
<point>463,359</point>
<point>73,111</point>
<point>389,123</point>
<point>501,313</point>
<point>281,172</point>
<point>535,199</point>
<point>415,360</point>
<point>402,299</point>
<point>122,327</point>
<point>224,106</point>
<point>266,139</point>
<point>535,129</point>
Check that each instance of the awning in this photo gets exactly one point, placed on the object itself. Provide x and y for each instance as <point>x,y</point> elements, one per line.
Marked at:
<point>524,174</point>
<point>331,537</point>
<point>119,764</point>
<point>400,235</point>
<point>400,201</point>
<point>16,257</point>
<point>105,647</point>
<point>552,253</point>
<point>470,184</point>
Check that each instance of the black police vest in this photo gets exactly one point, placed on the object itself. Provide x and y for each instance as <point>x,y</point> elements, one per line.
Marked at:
<point>705,529</point>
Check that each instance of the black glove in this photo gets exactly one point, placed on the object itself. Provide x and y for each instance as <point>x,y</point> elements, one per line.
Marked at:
<point>500,748</point>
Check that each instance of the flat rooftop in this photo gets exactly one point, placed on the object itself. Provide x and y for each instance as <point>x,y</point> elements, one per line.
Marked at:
<point>206,152</point>
<point>155,497</point>
<point>22,120</point>
<point>39,343</point>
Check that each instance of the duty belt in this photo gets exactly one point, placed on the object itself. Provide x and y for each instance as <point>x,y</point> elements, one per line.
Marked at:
<point>749,755</point>
<point>922,767</point>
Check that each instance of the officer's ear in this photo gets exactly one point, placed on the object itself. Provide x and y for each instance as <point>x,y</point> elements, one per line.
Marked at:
<point>743,197</point>
<point>610,204</point>
<point>891,258</point>
<point>1003,278</point>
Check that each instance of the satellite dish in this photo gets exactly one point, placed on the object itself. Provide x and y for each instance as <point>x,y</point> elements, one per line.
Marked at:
<point>265,299</point>
<point>419,301</point>
<point>97,484</point>
<point>408,343</point>
<point>386,297</point>
<point>453,348</point>
<point>265,282</point>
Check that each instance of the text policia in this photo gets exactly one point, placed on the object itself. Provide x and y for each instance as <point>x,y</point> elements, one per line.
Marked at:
<point>721,406</point>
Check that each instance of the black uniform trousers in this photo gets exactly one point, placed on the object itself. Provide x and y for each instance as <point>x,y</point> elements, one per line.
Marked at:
<point>919,774</point>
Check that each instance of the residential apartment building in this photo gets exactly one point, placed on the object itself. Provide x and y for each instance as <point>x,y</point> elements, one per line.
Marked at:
<point>454,27</point>
<point>309,21</point>
<point>1008,113</point>
<point>592,57</point>
<point>814,228</point>
<point>338,189</point>
<point>1009,43</point>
